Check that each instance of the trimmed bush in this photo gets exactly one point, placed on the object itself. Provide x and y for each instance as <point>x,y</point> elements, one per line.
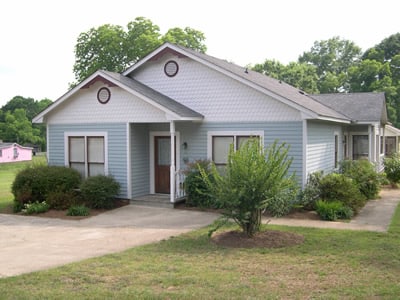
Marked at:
<point>197,191</point>
<point>392,168</point>
<point>62,200</point>
<point>78,210</point>
<point>312,191</point>
<point>364,174</point>
<point>338,187</point>
<point>35,208</point>
<point>100,191</point>
<point>332,211</point>
<point>34,184</point>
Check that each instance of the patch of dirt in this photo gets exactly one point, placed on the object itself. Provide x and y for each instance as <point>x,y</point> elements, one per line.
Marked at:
<point>263,239</point>
<point>62,214</point>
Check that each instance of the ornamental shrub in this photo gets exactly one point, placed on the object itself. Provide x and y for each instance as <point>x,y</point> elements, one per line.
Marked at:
<point>254,178</point>
<point>100,191</point>
<point>331,211</point>
<point>338,187</point>
<point>60,200</point>
<point>312,191</point>
<point>392,168</point>
<point>197,192</point>
<point>35,208</point>
<point>364,174</point>
<point>78,210</point>
<point>33,184</point>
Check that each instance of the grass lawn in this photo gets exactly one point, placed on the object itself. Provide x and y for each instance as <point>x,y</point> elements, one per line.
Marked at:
<point>330,264</point>
<point>8,171</point>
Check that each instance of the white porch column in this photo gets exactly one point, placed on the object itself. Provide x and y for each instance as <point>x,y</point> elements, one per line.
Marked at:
<point>172,166</point>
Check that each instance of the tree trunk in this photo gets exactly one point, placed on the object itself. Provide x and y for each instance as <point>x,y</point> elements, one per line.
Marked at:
<point>254,224</point>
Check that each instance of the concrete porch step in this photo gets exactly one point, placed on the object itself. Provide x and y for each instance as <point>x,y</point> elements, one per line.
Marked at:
<point>154,200</point>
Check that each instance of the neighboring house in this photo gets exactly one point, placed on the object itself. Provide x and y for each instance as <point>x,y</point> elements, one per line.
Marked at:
<point>392,140</point>
<point>177,105</point>
<point>12,152</point>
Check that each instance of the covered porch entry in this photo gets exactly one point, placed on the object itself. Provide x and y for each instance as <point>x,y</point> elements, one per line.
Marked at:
<point>156,165</point>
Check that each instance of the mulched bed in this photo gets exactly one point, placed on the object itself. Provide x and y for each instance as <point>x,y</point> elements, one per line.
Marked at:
<point>263,239</point>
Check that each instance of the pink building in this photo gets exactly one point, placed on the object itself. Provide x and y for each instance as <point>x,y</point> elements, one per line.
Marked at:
<point>12,152</point>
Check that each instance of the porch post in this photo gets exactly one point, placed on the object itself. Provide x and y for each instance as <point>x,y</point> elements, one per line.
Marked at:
<point>172,166</point>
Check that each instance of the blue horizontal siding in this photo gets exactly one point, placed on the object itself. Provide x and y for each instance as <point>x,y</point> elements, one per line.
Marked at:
<point>117,166</point>
<point>195,135</point>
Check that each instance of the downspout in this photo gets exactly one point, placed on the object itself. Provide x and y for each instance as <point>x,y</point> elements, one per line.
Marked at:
<point>172,166</point>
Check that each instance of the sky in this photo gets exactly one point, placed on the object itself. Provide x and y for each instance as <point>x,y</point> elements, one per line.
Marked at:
<point>38,37</point>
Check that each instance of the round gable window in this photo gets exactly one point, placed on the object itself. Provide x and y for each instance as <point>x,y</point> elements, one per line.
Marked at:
<point>103,95</point>
<point>171,68</point>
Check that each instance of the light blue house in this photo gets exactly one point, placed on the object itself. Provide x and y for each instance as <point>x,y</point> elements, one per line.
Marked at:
<point>177,105</point>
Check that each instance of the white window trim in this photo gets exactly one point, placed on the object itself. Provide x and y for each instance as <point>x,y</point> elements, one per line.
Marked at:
<point>235,133</point>
<point>336,135</point>
<point>151,154</point>
<point>86,134</point>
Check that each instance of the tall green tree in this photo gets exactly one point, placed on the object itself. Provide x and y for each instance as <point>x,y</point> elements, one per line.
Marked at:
<point>332,58</point>
<point>112,48</point>
<point>15,121</point>
<point>104,47</point>
<point>18,128</point>
<point>300,75</point>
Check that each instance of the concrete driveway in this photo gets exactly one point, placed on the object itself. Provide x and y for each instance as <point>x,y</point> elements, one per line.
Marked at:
<point>30,243</point>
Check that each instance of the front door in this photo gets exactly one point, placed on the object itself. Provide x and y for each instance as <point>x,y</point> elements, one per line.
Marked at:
<point>162,162</point>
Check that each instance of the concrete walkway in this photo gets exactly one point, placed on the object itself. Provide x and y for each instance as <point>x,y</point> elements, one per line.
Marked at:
<point>376,215</point>
<point>30,243</point>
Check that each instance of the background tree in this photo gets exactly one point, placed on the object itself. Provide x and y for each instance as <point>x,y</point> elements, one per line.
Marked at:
<point>300,75</point>
<point>111,48</point>
<point>336,65</point>
<point>104,47</point>
<point>332,58</point>
<point>15,121</point>
<point>254,178</point>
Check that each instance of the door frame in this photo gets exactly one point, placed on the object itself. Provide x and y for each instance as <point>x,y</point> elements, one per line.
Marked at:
<point>152,153</point>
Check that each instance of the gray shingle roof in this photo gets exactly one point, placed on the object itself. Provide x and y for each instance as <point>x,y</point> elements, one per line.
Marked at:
<point>359,107</point>
<point>170,104</point>
<point>275,86</point>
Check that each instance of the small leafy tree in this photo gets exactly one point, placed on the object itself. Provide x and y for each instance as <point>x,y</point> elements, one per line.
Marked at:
<point>253,178</point>
<point>392,168</point>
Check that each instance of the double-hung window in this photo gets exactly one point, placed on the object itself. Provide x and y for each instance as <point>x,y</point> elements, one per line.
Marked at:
<point>220,142</point>
<point>86,154</point>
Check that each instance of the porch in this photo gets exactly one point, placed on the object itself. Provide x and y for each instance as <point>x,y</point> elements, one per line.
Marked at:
<point>164,200</point>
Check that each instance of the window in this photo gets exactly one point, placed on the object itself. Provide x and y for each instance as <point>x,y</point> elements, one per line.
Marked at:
<point>360,146</point>
<point>86,154</point>
<point>221,143</point>
<point>345,146</point>
<point>15,150</point>
<point>381,144</point>
<point>1,152</point>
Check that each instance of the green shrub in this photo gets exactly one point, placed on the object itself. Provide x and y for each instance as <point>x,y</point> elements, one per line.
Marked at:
<point>100,191</point>
<point>62,200</point>
<point>78,210</point>
<point>254,178</point>
<point>364,174</point>
<point>197,192</point>
<point>282,203</point>
<point>332,211</point>
<point>392,168</point>
<point>312,191</point>
<point>35,208</point>
<point>338,187</point>
<point>33,184</point>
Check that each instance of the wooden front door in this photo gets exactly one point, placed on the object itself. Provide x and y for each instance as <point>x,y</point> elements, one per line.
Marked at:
<point>162,162</point>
